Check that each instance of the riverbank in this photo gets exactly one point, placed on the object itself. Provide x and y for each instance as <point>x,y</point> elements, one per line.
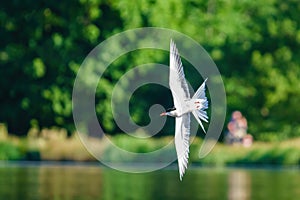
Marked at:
<point>54,145</point>
<point>285,153</point>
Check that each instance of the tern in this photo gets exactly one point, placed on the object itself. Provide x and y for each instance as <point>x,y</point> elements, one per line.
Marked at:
<point>183,106</point>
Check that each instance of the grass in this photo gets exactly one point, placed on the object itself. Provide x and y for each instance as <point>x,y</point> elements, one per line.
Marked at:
<point>53,144</point>
<point>260,153</point>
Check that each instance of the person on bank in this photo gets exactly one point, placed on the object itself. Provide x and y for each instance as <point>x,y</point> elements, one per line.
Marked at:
<point>237,130</point>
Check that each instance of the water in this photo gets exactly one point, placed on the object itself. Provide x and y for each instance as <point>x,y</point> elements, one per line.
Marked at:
<point>84,182</point>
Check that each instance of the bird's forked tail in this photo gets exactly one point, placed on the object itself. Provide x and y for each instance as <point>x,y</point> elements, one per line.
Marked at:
<point>201,104</point>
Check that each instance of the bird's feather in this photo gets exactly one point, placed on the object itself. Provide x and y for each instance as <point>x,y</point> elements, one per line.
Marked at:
<point>182,137</point>
<point>199,121</point>
<point>200,114</point>
<point>177,82</point>
<point>200,93</point>
<point>180,93</point>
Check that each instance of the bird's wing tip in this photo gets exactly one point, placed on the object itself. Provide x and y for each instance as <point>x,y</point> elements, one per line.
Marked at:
<point>172,41</point>
<point>181,175</point>
<point>205,80</point>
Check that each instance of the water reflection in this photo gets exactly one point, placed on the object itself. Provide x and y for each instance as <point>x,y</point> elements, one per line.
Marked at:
<point>93,182</point>
<point>50,182</point>
<point>70,183</point>
<point>239,185</point>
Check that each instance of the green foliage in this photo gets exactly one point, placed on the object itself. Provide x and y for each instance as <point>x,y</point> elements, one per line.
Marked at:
<point>260,154</point>
<point>256,46</point>
<point>42,46</point>
<point>9,151</point>
<point>137,145</point>
<point>54,145</point>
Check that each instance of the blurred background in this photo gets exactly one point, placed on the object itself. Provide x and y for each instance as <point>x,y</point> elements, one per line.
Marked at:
<point>255,44</point>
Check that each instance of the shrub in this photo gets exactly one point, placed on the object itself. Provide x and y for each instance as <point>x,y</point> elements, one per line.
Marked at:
<point>9,151</point>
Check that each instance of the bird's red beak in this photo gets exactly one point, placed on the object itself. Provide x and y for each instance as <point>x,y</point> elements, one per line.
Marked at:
<point>163,114</point>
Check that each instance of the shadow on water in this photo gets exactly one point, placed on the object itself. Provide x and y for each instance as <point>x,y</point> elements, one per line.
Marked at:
<point>83,182</point>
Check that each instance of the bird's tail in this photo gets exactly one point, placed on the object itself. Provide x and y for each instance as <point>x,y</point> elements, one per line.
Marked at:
<point>201,105</point>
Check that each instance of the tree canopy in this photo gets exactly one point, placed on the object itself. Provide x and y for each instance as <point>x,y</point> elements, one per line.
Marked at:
<point>256,46</point>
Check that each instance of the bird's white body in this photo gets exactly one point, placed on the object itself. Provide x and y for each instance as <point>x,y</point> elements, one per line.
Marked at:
<point>190,105</point>
<point>183,106</point>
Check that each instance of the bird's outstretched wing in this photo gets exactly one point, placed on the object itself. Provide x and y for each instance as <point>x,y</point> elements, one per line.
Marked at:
<point>182,137</point>
<point>180,93</point>
<point>177,82</point>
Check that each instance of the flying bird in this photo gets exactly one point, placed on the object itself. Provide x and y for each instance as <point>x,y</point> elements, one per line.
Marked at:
<point>183,106</point>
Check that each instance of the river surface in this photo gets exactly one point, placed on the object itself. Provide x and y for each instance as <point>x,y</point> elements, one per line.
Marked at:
<point>83,182</point>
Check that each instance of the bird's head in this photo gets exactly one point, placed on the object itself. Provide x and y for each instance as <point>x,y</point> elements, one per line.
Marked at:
<point>169,112</point>
<point>164,114</point>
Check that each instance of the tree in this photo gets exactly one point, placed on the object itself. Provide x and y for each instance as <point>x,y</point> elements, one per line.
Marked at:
<point>254,44</point>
